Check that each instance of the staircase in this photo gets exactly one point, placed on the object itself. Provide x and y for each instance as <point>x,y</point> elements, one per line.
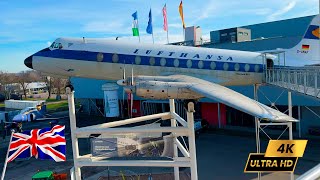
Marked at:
<point>304,80</point>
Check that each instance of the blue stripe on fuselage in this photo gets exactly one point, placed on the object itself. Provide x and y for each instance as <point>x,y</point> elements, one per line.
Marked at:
<point>145,60</point>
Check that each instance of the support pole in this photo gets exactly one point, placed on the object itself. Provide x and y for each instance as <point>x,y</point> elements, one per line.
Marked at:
<point>257,122</point>
<point>192,144</point>
<point>6,160</point>
<point>299,117</point>
<point>175,147</point>
<point>73,127</point>
<point>290,138</point>
<point>219,116</point>
<point>257,125</point>
<point>290,124</point>
<point>290,103</point>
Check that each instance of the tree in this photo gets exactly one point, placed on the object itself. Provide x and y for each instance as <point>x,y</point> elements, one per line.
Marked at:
<point>26,77</point>
<point>55,84</point>
<point>59,84</point>
<point>6,83</point>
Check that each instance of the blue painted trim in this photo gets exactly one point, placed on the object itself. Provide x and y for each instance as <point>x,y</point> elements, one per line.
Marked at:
<point>309,34</point>
<point>145,60</point>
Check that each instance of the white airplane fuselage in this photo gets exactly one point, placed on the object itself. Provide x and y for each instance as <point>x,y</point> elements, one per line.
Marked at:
<point>107,59</point>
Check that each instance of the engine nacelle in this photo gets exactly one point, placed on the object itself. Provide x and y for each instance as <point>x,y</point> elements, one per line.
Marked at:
<point>165,90</point>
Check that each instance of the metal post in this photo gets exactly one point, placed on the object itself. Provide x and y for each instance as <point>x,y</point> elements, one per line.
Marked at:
<point>299,117</point>
<point>175,147</point>
<point>73,127</point>
<point>290,138</point>
<point>305,82</point>
<point>6,160</point>
<point>290,124</point>
<point>315,84</point>
<point>257,125</point>
<point>219,116</point>
<point>296,79</point>
<point>257,120</point>
<point>192,144</point>
<point>290,103</point>
<point>284,58</point>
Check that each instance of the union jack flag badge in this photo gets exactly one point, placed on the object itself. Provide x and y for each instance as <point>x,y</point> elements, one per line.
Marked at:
<point>47,143</point>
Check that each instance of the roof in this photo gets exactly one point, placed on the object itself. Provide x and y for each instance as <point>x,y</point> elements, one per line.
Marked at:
<point>34,85</point>
<point>259,45</point>
<point>270,35</point>
<point>285,28</point>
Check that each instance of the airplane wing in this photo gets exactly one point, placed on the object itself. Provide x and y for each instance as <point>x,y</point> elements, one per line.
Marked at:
<point>234,99</point>
<point>226,96</point>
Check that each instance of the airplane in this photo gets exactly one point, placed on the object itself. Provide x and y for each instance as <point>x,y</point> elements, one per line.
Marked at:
<point>167,71</point>
<point>30,114</point>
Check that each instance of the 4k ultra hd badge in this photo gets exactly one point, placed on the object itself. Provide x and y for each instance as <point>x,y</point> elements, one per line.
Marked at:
<point>281,156</point>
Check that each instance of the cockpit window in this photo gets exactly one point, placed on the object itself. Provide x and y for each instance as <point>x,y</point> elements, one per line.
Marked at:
<point>55,45</point>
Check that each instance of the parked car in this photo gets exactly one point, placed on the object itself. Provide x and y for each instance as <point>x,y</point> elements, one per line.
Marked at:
<point>15,96</point>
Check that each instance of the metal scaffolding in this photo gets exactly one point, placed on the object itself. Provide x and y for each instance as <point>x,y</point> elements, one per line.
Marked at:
<point>260,126</point>
<point>179,127</point>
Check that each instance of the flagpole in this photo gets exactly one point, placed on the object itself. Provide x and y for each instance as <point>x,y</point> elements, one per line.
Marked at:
<point>167,23</point>
<point>6,160</point>
<point>138,29</point>
<point>184,37</point>
<point>152,27</point>
<point>168,35</point>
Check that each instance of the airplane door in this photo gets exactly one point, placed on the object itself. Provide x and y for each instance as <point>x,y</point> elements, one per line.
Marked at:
<point>270,64</point>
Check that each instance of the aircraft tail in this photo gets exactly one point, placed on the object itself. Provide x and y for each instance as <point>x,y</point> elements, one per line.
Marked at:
<point>307,51</point>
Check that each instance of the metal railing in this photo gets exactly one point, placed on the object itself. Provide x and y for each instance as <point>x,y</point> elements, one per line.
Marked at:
<point>116,128</point>
<point>304,80</point>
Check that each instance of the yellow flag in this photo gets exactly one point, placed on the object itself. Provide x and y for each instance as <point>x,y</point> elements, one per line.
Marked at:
<point>181,15</point>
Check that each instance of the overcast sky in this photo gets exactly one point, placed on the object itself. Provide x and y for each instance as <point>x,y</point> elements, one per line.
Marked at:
<point>29,26</point>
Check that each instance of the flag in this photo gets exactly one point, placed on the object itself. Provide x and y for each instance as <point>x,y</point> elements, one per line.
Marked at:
<point>135,29</point>
<point>305,47</point>
<point>181,15</point>
<point>47,143</point>
<point>165,21</point>
<point>149,28</point>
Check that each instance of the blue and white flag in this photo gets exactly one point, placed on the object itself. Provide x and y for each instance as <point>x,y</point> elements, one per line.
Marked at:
<point>149,28</point>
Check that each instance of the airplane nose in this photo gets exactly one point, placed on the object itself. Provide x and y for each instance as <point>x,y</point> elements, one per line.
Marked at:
<point>28,62</point>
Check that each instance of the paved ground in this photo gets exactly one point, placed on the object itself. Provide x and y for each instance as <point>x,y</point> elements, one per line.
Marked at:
<point>220,155</point>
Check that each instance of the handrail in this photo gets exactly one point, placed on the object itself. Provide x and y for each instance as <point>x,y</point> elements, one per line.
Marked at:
<point>301,79</point>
